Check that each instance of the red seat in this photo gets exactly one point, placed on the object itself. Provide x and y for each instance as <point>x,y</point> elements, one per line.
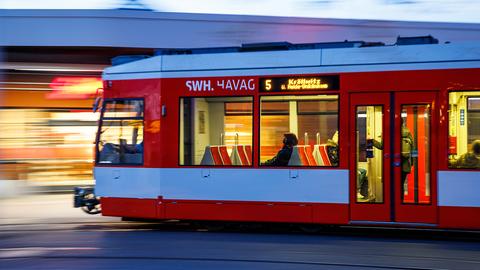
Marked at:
<point>217,159</point>
<point>224,156</point>
<point>298,157</point>
<point>309,155</point>
<point>248,152</point>
<point>324,155</point>
<point>242,155</point>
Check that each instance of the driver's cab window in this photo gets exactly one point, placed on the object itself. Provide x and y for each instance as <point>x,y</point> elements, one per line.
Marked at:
<point>121,132</point>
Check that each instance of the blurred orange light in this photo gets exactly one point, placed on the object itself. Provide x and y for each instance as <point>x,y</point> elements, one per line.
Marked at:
<point>74,87</point>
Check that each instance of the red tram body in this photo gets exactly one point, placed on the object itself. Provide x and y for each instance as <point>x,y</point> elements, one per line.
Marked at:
<point>186,134</point>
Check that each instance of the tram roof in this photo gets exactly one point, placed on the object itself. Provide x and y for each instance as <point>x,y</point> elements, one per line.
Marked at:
<point>277,56</point>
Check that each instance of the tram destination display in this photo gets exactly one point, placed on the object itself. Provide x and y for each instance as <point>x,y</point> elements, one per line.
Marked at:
<point>296,83</point>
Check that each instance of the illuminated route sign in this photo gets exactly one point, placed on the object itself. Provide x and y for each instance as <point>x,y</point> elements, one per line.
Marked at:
<point>306,83</point>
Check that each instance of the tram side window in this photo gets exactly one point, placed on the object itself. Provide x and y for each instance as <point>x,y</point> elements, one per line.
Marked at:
<point>216,131</point>
<point>299,130</point>
<point>121,132</point>
<point>464,130</point>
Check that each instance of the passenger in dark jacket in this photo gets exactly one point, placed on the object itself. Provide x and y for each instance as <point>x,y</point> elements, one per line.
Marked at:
<point>283,156</point>
<point>471,159</point>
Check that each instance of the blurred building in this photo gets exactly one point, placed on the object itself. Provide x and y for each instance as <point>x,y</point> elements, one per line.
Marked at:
<point>51,63</point>
<point>48,126</point>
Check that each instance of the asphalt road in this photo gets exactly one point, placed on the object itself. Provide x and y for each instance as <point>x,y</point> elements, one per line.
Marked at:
<point>97,243</point>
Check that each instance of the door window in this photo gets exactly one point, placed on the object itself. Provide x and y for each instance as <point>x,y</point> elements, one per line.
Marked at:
<point>415,154</point>
<point>369,140</point>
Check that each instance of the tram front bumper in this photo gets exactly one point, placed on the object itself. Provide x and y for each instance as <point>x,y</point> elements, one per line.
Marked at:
<point>84,197</point>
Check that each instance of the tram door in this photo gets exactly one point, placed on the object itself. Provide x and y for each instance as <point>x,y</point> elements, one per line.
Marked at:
<point>392,177</point>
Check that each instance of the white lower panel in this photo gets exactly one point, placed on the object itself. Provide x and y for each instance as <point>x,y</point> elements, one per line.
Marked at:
<point>459,188</point>
<point>127,182</point>
<point>281,185</point>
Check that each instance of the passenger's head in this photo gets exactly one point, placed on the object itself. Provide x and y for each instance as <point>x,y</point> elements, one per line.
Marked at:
<point>476,147</point>
<point>290,139</point>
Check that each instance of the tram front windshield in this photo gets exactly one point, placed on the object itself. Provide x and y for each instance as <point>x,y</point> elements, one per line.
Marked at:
<point>121,132</point>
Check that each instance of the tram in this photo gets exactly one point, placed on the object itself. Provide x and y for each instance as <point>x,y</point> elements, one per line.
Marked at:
<point>384,135</point>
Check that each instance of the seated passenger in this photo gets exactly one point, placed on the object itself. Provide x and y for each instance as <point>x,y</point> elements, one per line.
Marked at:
<point>469,160</point>
<point>332,151</point>
<point>283,156</point>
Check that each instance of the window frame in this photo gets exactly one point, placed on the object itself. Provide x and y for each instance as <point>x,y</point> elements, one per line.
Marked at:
<point>252,97</point>
<point>285,94</point>
<point>447,133</point>
<point>469,111</point>
<point>99,132</point>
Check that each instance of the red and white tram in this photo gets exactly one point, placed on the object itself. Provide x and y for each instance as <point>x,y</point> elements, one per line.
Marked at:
<point>387,135</point>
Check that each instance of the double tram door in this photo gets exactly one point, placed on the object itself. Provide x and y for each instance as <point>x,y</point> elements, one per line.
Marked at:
<point>392,175</point>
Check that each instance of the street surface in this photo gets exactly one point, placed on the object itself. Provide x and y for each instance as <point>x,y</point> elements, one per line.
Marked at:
<point>45,232</point>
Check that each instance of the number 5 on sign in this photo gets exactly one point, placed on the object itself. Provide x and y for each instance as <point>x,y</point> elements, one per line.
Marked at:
<point>268,85</point>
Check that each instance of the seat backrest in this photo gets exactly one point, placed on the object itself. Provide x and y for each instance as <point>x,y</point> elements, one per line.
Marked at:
<point>217,159</point>
<point>224,156</point>
<point>238,156</point>
<point>298,157</point>
<point>242,155</point>
<point>248,153</point>
<point>207,158</point>
<point>324,160</point>
<point>235,157</point>
<point>309,156</point>
<point>317,156</point>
